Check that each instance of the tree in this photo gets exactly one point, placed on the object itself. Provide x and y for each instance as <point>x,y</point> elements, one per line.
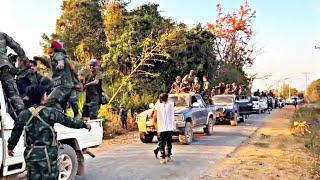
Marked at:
<point>287,91</point>
<point>80,28</point>
<point>313,91</point>
<point>234,36</point>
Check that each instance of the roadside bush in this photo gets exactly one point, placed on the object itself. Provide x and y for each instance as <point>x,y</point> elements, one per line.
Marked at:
<point>112,124</point>
<point>306,124</point>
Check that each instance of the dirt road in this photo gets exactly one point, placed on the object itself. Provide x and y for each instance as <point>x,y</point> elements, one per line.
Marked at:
<point>136,160</point>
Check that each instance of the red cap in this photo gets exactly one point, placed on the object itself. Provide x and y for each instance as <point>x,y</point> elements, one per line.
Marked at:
<point>57,45</point>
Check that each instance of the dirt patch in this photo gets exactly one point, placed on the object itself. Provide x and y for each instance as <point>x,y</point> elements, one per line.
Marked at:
<point>271,153</point>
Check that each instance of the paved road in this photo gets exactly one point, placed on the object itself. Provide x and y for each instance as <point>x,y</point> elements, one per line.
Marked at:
<point>136,161</point>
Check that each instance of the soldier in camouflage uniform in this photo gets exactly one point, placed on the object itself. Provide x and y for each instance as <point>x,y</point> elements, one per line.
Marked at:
<point>25,79</point>
<point>44,81</point>
<point>8,83</point>
<point>41,151</point>
<point>93,90</point>
<point>206,94</point>
<point>61,76</point>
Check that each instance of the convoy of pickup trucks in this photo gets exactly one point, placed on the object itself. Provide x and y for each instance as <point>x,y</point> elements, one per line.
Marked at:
<point>192,114</point>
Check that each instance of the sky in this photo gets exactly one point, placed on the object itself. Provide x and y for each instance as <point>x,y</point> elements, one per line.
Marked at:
<point>286,31</point>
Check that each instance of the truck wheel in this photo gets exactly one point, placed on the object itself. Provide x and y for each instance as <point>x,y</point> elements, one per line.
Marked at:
<point>208,130</point>
<point>146,137</point>
<point>187,137</point>
<point>67,162</point>
<point>234,121</point>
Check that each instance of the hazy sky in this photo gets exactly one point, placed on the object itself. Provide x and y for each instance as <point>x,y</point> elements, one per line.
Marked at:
<point>287,30</point>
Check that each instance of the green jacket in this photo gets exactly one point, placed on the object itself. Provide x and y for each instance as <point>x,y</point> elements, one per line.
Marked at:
<point>7,41</point>
<point>59,77</point>
<point>37,133</point>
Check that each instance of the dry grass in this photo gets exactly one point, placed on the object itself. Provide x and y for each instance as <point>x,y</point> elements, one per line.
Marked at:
<point>306,124</point>
<point>112,124</point>
<point>271,153</point>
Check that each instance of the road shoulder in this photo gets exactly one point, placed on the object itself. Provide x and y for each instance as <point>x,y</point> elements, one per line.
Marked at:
<point>270,153</point>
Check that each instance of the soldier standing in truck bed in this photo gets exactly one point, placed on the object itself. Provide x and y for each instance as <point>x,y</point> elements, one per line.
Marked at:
<point>8,83</point>
<point>61,76</point>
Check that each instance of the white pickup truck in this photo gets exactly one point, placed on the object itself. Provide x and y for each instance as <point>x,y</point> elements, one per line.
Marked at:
<point>74,144</point>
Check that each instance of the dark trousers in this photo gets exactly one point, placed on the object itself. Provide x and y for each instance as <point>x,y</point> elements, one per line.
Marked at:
<point>165,141</point>
<point>11,90</point>
<point>124,123</point>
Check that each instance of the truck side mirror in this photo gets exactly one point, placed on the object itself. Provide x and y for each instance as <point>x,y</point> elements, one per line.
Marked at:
<point>151,105</point>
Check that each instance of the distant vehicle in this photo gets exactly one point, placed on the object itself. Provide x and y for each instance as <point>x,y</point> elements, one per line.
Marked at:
<point>293,99</point>
<point>227,109</point>
<point>281,103</point>
<point>245,106</point>
<point>190,114</point>
<point>257,105</point>
<point>264,103</point>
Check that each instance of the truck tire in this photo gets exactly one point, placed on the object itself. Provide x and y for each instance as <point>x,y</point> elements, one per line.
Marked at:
<point>234,121</point>
<point>187,136</point>
<point>146,137</point>
<point>208,130</point>
<point>67,162</point>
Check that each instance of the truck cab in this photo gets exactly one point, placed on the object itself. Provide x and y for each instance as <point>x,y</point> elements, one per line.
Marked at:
<point>74,143</point>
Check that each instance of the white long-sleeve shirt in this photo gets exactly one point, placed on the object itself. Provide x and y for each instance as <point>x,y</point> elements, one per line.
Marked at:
<point>165,116</point>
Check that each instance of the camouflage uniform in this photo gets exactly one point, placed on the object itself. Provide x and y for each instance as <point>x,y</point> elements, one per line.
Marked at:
<point>73,101</point>
<point>44,82</point>
<point>25,79</point>
<point>206,96</point>
<point>62,80</point>
<point>8,83</point>
<point>41,151</point>
<point>93,93</point>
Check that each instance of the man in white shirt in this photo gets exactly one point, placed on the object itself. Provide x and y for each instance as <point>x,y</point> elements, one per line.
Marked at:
<point>163,114</point>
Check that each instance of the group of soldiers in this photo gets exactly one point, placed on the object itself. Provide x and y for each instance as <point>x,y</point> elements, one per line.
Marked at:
<point>191,83</point>
<point>36,102</point>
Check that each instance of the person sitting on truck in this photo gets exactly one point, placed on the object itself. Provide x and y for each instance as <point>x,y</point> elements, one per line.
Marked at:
<point>37,122</point>
<point>8,84</point>
<point>163,116</point>
<point>176,86</point>
<point>185,86</point>
<point>190,77</point>
<point>195,86</point>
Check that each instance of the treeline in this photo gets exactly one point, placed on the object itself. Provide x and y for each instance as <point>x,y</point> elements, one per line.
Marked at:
<point>142,52</point>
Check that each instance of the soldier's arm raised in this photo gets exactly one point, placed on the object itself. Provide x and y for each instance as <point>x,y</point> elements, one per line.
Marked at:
<point>59,117</point>
<point>17,130</point>
<point>15,46</point>
<point>43,60</point>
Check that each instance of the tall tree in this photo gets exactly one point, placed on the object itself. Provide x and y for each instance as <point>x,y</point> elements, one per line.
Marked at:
<point>80,27</point>
<point>234,36</point>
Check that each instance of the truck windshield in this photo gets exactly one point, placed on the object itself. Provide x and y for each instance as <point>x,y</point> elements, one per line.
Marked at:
<point>180,100</point>
<point>222,99</point>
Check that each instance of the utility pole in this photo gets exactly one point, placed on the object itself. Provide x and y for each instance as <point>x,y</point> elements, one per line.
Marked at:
<point>306,76</point>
